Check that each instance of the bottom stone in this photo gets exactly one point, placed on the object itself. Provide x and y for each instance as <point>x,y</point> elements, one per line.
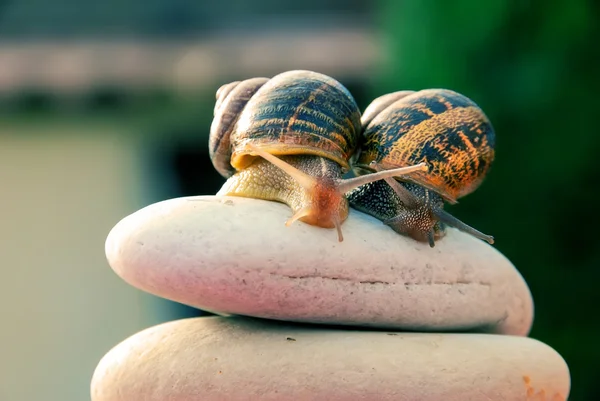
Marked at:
<point>238,358</point>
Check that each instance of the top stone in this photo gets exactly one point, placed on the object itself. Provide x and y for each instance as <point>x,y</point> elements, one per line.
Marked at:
<point>234,255</point>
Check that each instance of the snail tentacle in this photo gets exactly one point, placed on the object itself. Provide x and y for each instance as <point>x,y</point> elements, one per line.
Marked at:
<point>430,238</point>
<point>306,181</point>
<point>349,184</point>
<point>305,211</point>
<point>452,221</point>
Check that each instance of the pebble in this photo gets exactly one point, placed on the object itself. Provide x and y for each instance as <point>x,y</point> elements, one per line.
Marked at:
<point>235,256</point>
<point>246,359</point>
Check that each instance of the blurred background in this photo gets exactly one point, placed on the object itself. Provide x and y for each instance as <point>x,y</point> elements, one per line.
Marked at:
<point>105,107</point>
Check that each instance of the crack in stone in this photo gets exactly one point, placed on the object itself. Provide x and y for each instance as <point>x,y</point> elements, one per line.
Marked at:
<point>309,276</point>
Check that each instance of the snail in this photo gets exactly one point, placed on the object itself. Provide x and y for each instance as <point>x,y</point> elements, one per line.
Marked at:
<point>440,127</point>
<point>290,139</point>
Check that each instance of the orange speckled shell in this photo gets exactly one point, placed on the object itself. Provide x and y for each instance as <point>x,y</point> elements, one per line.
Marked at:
<point>440,127</point>
<point>296,112</point>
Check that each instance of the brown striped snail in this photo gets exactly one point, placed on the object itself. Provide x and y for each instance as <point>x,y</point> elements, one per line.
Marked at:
<point>442,128</point>
<point>305,127</point>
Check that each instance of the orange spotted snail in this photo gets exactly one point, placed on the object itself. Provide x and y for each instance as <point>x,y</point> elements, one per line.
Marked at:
<point>439,127</point>
<point>290,139</point>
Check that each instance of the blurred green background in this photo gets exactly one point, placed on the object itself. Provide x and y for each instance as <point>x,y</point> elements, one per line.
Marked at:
<point>105,107</point>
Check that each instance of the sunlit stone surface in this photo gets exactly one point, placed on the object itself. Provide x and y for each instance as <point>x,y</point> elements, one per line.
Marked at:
<point>236,256</point>
<point>244,359</point>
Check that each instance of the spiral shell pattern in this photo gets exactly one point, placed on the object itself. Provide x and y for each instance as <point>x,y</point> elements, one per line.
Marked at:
<point>293,113</point>
<point>440,127</point>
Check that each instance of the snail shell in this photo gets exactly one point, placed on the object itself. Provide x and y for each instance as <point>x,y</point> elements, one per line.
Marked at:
<point>440,127</point>
<point>294,113</point>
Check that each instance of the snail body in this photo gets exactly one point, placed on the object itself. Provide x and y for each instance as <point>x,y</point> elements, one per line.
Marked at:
<point>442,128</point>
<point>290,139</point>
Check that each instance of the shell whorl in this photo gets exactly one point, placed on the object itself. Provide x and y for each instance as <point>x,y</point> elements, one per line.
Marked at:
<point>231,100</point>
<point>293,113</point>
<point>438,126</point>
<point>380,104</point>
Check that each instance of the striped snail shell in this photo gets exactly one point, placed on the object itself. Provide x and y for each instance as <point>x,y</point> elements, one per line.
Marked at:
<point>440,127</point>
<point>289,139</point>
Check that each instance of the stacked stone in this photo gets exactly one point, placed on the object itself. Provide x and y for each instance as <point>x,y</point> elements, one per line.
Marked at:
<point>305,317</point>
